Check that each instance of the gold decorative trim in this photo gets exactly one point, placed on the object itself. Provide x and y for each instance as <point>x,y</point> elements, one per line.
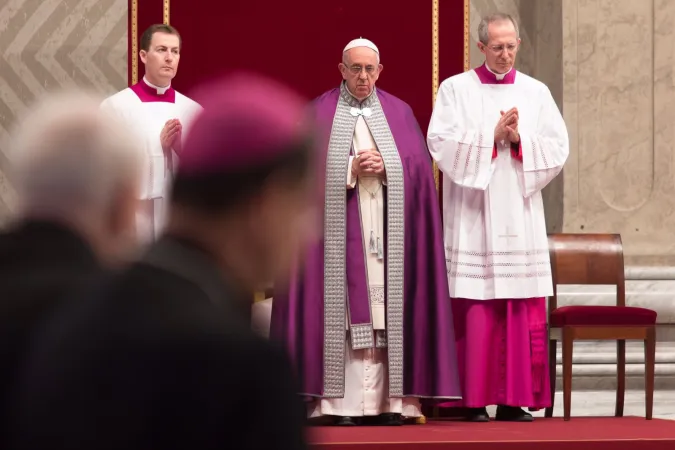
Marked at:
<point>435,35</point>
<point>167,11</point>
<point>435,5</point>
<point>134,42</point>
<point>467,38</point>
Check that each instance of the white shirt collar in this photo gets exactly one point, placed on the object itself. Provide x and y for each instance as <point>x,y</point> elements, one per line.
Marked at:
<point>500,76</point>
<point>160,90</point>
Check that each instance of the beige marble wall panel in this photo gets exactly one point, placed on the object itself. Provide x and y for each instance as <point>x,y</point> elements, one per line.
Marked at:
<point>49,44</point>
<point>618,88</point>
<point>540,24</point>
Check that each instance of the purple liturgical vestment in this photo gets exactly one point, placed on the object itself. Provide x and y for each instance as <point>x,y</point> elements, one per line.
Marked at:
<point>329,288</point>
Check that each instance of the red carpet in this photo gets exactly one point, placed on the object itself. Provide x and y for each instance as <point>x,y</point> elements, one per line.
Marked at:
<point>582,433</point>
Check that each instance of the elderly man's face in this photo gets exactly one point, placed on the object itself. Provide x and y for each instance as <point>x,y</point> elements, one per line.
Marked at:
<point>360,69</point>
<point>502,47</point>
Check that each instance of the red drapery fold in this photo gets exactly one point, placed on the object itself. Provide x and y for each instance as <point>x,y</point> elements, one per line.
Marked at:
<point>301,42</point>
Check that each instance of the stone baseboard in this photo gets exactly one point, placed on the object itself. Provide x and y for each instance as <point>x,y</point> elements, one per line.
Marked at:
<point>600,403</point>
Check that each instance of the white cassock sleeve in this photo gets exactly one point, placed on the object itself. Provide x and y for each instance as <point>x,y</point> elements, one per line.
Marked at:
<point>157,169</point>
<point>462,153</point>
<point>544,150</point>
<point>186,128</point>
<point>351,178</point>
<point>150,188</point>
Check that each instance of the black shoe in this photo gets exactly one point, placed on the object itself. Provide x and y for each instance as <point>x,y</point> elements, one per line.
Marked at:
<point>477,415</point>
<point>512,414</point>
<point>345,421</point>
<point>390,420</point>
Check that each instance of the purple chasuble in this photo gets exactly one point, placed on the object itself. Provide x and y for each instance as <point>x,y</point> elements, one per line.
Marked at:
<point>147,93</point>
<point>328,288</point>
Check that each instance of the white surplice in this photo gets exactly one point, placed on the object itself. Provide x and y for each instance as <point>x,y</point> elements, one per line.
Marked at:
<point>147,119</point>
<point>366,381</point>
<point>493,213</point>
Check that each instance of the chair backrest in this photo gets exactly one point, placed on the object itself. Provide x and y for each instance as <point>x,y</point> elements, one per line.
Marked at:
<point>587,259</point>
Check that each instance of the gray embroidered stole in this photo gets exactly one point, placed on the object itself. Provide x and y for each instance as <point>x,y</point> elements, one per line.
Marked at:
<point>335,235</point>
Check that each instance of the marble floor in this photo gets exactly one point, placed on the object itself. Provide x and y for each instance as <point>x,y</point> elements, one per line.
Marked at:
<point>601,403</point>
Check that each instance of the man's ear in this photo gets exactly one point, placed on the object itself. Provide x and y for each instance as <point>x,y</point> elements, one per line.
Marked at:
<point>143,54</point>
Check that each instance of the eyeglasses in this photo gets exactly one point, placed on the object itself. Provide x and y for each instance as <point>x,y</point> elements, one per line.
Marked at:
<point>358,69</point>
<point>497,49</point>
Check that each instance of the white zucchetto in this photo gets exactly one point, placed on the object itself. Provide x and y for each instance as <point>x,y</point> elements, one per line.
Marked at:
<point>360,42</point>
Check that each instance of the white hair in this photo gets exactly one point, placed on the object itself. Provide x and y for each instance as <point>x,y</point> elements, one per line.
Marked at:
<point>70,157</point>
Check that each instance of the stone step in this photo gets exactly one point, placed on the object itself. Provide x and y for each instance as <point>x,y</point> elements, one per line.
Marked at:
<point>610,358</point>
<point>633,370</point>
<point>601,403</point>
<point>608,383</point>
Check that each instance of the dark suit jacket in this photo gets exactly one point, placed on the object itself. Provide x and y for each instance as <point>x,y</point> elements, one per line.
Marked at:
<point>42,265</point>
<point>163,357</point>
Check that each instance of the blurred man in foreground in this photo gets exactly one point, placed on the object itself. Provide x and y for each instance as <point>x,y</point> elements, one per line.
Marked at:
<point>76,172</point>
<point>164,357</point>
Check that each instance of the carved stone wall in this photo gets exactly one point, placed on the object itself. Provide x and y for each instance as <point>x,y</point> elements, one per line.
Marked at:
<point>618,88</point>
<point>48,44</point>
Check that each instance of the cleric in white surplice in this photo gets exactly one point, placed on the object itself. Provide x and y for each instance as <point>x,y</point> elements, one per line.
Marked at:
<point>498,138</point>
<point>160,117</point>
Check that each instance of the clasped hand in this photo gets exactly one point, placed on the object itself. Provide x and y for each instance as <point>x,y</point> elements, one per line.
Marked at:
<point>368,162</point>
<point>171,136</point>
<point>507,127</point>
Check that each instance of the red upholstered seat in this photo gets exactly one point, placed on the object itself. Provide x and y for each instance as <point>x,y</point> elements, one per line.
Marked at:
<point>602,316</point>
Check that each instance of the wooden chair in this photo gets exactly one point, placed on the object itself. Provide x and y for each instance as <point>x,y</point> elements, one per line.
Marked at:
<point>596,259</point>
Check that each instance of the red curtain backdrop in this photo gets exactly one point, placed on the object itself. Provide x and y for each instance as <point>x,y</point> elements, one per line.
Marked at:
<point>452,55</point>
<point>451,38</point>
<point>300,42</point>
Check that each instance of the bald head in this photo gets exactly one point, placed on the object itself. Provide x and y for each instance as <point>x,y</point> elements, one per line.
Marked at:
<point>72,162</point>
